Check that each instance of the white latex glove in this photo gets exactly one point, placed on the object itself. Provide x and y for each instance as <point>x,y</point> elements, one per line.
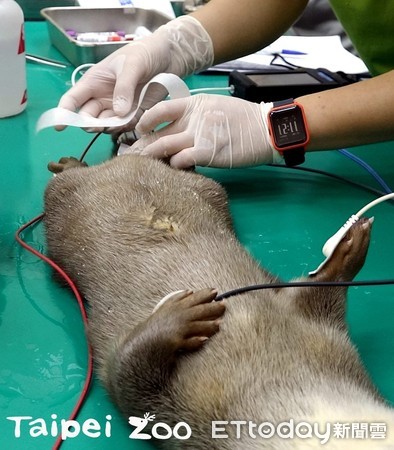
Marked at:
<point>207,130</point>
<point>112,86</point>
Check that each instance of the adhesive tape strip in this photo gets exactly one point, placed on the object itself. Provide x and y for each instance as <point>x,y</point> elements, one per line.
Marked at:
<point>175,87</point>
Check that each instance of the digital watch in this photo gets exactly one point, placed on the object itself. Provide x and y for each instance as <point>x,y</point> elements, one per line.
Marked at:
<point>288,130</point>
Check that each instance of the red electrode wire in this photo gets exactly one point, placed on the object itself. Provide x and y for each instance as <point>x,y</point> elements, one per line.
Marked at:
<point>89,374</point>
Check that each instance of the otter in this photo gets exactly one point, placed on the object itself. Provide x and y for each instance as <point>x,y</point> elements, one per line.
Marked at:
<point>132,230</point>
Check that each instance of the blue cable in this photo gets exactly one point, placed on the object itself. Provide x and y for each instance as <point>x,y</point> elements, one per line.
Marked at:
<point>368,168</point>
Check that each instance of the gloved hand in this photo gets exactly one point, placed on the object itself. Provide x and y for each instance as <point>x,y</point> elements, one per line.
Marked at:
<point>207,130</point>
<point>112,86</point>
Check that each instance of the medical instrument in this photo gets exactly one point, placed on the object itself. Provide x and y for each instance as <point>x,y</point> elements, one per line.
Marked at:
<point>268,85</point>
<point>46,61</point>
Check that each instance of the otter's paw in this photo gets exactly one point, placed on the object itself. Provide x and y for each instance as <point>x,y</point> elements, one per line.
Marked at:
<point>64,164</point>
<point>349,256</point>
<point>187,319</point>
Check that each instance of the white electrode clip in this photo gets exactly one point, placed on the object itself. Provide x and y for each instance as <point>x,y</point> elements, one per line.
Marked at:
<point>332,243</point>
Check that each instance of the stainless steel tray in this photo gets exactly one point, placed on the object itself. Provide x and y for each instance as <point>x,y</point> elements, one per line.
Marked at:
<point>101,19</point>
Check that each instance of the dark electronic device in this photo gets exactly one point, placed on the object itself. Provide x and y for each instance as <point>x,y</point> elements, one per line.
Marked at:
<point>268,86</point>
<point>288,130</point>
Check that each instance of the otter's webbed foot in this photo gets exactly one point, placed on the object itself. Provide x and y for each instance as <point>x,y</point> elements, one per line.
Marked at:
<point>328,303</point>
<point>142,363</point>
<point>64,164</point>
<point>349,255</point>
<point>186,320</point>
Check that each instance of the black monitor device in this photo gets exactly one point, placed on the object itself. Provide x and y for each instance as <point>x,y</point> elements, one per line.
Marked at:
<point>271,85</point>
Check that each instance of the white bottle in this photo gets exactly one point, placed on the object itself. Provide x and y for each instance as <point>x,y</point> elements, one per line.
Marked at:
<point>13,98</point>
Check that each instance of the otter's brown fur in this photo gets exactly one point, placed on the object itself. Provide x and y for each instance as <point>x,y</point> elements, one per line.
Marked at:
<point>132,230</point>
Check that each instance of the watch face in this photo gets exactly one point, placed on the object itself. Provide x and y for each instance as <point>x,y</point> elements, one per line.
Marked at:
<point>287,126</point>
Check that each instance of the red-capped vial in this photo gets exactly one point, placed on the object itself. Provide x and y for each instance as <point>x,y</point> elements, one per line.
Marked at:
<point>101,36</point>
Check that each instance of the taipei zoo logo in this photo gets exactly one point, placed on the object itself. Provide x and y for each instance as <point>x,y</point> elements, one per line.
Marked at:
<point>160,430</point>
<point>92,428</point>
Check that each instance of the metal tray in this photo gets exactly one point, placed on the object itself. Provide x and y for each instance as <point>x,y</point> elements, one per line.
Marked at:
<point>101,19</point>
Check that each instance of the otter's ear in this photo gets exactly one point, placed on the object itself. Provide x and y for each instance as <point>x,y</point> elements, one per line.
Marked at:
<point>65,163</point>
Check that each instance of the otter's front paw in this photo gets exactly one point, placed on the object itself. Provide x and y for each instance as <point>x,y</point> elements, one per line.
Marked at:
<point>64,164</point>
<point>186,320</point>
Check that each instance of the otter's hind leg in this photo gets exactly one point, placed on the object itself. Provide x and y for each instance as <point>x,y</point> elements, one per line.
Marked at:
<point>328,303</point>
<point>140,365</point>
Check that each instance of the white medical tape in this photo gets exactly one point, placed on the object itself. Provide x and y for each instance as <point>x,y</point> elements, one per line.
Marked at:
<point>175,87</point>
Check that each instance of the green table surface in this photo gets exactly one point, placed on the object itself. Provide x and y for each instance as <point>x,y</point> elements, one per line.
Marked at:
<point>282,216</point>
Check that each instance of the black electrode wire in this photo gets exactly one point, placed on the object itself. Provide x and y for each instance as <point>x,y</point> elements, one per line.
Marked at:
<point>289,65</point>
<point>257,287</point>
<point>336,177</point>
<point>245,289</point>
<point>82,157</point>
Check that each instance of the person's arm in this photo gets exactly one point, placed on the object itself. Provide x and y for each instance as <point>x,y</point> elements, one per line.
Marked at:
<point>224,131</point>
<point>240,28</point>
<point>358,114</point>
<point>220,30</point>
